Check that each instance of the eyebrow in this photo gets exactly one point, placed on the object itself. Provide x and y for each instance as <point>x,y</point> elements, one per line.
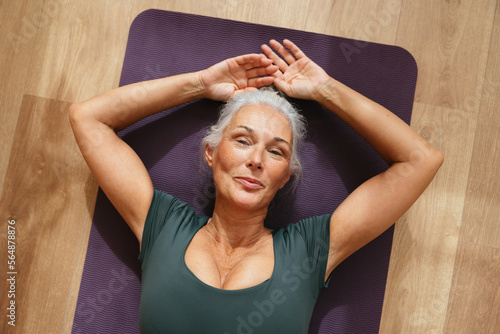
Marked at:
<point>249,129</point>
<point>278,139</point>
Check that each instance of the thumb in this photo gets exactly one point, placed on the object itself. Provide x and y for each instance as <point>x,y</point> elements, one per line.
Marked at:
<point>281,85</point>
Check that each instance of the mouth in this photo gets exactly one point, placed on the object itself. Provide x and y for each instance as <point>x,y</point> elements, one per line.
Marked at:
<point>250,182</point>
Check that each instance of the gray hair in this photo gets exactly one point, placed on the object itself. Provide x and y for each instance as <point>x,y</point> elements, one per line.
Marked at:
<point>261,97</point>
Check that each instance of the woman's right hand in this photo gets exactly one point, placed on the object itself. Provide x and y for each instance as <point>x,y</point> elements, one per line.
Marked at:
<point>235,75</point>
<point>298,75</point>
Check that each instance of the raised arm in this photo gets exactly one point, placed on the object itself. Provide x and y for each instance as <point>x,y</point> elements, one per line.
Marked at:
<point>116,167</point>
<point>380,201</point>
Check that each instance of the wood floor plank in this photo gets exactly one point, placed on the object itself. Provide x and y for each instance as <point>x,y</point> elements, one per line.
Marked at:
<point>374,21</point>
<point>474,305</point>
<point>78,49</point>
<point>45,194</point>
<point>280,13</point>
<point>19,27</point>
<point>450,41</point>
<point>426,237</point>
<point>69,308</point>
<point>482,209</point>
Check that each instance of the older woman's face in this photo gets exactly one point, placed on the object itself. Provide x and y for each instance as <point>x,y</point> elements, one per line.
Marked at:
<point>252,160</point>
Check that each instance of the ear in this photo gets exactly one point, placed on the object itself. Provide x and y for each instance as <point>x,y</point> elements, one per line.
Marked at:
<point>285,180</point>
<point>209,151</point>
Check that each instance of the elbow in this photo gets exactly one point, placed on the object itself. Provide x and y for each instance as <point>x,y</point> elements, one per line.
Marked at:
<point>434,159</point>
<point>439,158</point>
<point>426,159</point>
<point>79,117</point>
<point>74,112</point>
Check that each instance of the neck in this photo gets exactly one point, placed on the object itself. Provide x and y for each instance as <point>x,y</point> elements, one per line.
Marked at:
<point>237,229</point>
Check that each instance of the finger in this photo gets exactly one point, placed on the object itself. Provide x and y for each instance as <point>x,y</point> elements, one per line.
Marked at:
<point>297,52</point>
<point>261,71</point>
<point>260,82</point>
<point>248,58</point>
<point>239,91</point>
<point>289,58</point>
<point>274,57</point>
<point>282,85</point>
<point>252,60</point>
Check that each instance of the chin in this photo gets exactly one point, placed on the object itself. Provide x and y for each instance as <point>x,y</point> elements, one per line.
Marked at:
<point>250,201</point>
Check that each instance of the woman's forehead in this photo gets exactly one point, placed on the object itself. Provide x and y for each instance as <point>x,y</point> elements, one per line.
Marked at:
<point>262,118</point>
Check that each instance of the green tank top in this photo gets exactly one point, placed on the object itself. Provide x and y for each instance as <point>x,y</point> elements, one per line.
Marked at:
<point>174,300</point>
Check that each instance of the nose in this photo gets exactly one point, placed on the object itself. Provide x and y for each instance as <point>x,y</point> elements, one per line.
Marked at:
<point>254,165</point>
<point>255,160</point>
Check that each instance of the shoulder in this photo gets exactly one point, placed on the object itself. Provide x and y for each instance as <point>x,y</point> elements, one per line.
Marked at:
<point>305,246</point>
<point>310,226</point>
<point>164,205</point>
<point>309,232</point>
<point>161,198</point>
<point>167,216</point>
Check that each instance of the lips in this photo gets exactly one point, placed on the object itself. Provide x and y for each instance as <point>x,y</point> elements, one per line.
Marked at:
<point>250,182</point>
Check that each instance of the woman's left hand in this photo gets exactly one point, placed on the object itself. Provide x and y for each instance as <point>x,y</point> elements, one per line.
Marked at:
<point>235,75</point>
<point>298,75</point>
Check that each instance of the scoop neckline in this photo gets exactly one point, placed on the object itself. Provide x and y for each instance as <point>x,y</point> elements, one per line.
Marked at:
<point>232,291</point>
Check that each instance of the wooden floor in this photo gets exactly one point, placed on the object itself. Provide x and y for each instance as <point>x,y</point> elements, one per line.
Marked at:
<point>444,275</point>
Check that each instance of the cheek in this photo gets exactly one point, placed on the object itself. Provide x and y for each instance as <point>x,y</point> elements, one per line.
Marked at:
<point>280,174</point>
<point>225,159</point>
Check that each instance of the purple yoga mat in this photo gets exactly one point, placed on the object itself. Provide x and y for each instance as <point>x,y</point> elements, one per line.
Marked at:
<point>336,160</point>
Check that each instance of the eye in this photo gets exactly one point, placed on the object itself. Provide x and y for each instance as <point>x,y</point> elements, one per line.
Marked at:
<point>276,152</point>
<point>243,141</point>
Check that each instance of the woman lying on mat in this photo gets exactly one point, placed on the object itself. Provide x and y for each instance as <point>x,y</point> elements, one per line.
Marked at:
<point>228,273</point>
